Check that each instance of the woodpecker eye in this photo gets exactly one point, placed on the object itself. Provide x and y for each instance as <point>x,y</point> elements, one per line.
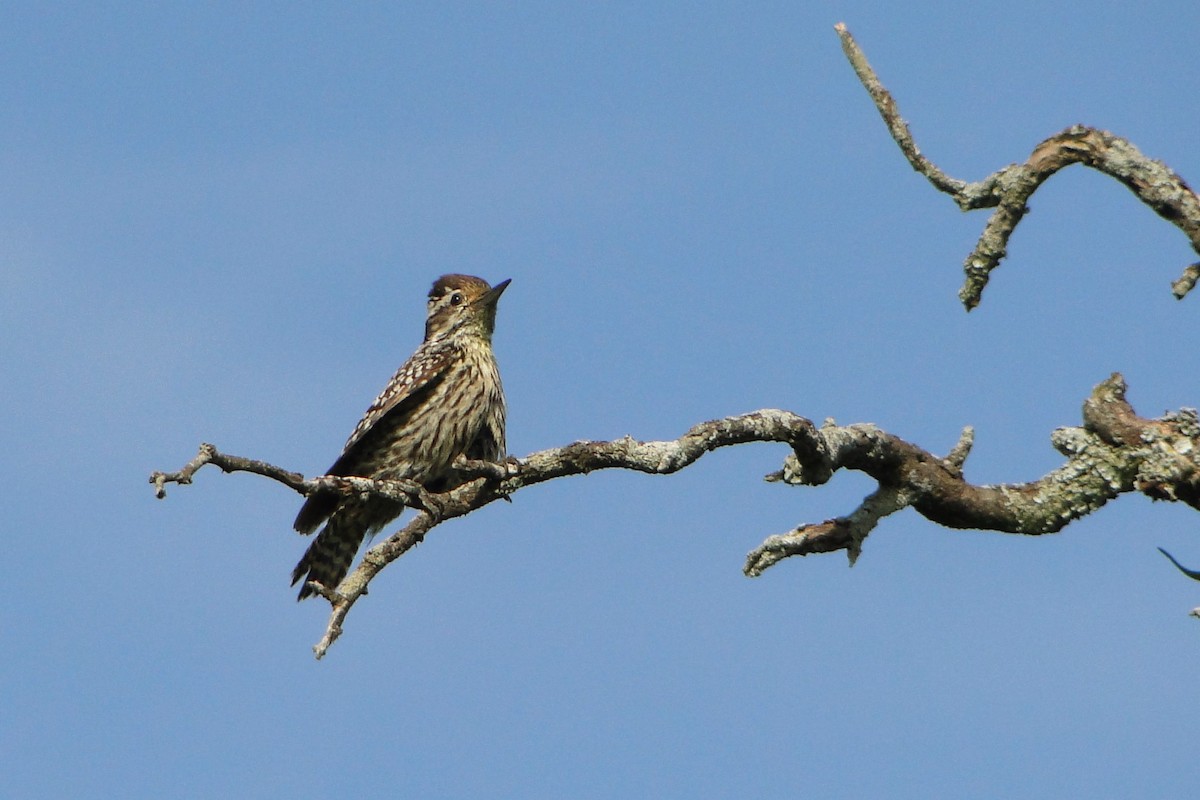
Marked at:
<point>456,299</point>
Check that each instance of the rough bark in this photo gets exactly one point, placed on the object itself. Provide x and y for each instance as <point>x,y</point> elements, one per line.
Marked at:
<point>1114,452</point>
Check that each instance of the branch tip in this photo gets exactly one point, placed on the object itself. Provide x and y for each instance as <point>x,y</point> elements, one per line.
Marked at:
<point>1187,281</point>
<point>962,448</point>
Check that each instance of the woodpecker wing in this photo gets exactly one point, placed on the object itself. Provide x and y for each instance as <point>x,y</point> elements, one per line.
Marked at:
<point>410,383</point>
<point>407,388</point>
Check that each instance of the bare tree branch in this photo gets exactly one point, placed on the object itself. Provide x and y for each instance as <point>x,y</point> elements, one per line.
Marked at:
<point>843,533</point>
<point>407,492</point>
<point>1115,451</point>
<point>1009,189</point>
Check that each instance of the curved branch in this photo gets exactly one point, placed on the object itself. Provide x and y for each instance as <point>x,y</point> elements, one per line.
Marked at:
<point>1115,452</point>
<point>1009,189</point>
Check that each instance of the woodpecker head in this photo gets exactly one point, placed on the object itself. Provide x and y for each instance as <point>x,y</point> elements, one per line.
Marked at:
<point>462,304</point>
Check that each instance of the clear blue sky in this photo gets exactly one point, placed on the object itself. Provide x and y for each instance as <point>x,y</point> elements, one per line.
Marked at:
<point>218,224</point>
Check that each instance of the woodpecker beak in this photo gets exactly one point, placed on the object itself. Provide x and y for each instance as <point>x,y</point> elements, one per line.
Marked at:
<point>494,293</point>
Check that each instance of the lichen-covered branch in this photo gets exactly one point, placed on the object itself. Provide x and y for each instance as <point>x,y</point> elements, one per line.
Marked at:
<point>1009,189</point>
<point>1114,452</point>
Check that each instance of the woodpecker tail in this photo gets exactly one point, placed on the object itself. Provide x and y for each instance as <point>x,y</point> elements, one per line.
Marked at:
<point>329,557</point>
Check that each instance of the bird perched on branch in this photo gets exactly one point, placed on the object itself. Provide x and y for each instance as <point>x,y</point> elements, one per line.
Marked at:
<point>445,402</point>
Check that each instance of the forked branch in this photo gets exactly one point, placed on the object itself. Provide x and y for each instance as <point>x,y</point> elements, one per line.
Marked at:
<point>1009,189</point>
<point>1115,451</point>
